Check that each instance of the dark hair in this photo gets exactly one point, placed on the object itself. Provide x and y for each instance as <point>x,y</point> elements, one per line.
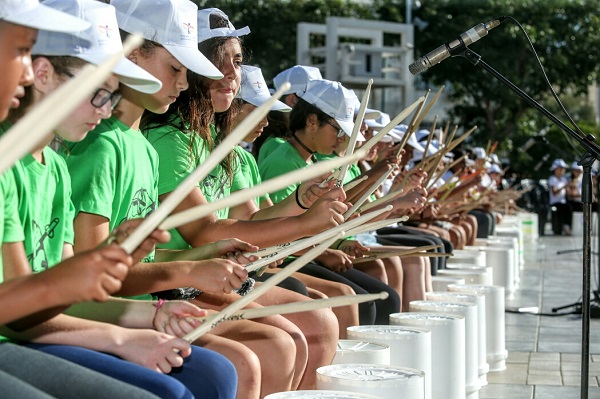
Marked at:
<point>277,127</point>
<point>301,111</point>
<point>63,65</point>
<point>194,106</point>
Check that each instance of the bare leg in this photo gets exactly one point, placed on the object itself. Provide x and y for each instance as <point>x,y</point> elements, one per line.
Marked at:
<point>319,328</point>
<point>374,268</point>
<point>246,362</point>
<point>346,315</point>
<point>275,348</point>
<point>414,280</point>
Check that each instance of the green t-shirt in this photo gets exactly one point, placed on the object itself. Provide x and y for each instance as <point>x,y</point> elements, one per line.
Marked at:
<point>283,160</point>
<point>352,173</point>
<point>45,208</point>
<point>247,174</point>
<point>10,226</point>
<point>269,146</point>
<point>180,153</point>
<point>114,173</point>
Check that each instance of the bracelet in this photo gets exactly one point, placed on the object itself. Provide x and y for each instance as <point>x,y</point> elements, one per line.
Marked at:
<point>157,305</point>
<point>298,199</point>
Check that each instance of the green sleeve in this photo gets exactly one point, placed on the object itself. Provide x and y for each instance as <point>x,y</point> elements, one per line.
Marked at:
<point>178,152</point>
<point>93,184</point>
<point>12,229</point>
<point>285,159</point>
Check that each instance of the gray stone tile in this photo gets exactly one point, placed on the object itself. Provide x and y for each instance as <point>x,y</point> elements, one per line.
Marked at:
<point>544,379</point>
<point>521,333</point>
<point>553,392</point>
<point>544,356</point>
<point>518,357</point>
<point>558,346</point>
<point>520,346</point>
<point>507,377</point>
<point>574,357</point>
<point>575,380</point>
<point>502,391</point>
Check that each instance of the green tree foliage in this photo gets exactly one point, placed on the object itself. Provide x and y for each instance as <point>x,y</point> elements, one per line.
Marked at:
<point>566,34</point>
<point>272,43</point>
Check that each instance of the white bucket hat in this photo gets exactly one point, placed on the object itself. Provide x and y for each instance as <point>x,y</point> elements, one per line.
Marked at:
<point>298,76</point>
<point>335,100</point>
<point>205,32</point>
<point>559,163</point>
<point>35,15</point>
<point>172,24</point>
<point>96,43</point>
<point>254,89</point>
<point>575,166</point>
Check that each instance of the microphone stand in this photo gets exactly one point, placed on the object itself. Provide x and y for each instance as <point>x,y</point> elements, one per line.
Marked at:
<point>592,152</point>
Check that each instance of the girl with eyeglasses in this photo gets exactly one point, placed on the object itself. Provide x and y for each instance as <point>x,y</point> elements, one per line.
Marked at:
<point>183,137</point>
<point>323,112</point>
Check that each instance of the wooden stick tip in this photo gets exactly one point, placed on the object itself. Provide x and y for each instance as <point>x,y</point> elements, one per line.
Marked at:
<point>383,295</point>
<point>285,86</point>
<point>370,82</point>
<point>133,41</point>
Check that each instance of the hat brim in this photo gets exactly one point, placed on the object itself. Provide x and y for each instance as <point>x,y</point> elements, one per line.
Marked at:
<point>128,73</point>
<point>373,123</point>
<point>347,127</point>
<point>257,101</point>
<point>195,61</point>
<point>372,114</point>
<point>47,18</point>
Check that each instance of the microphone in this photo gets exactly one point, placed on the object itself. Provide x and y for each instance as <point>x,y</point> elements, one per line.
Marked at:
<point>454,47</point>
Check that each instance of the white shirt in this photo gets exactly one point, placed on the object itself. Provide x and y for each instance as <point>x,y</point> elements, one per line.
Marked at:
<point>558,183</point>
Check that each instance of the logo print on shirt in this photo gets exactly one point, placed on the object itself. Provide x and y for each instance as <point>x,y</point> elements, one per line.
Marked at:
<point>141,205</point>
<point>38,259</point>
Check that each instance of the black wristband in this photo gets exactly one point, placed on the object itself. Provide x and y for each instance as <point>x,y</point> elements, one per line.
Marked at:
<point>298,199</point>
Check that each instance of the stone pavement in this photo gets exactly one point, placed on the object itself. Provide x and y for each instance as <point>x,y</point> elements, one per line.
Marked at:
<point>544,351</point>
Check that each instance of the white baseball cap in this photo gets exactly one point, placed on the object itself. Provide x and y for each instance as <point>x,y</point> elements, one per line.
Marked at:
<point>255,91</point>
<point>298,76</point>
<point>96,43</point>
<point>172,24</point>
<point>335,100</point>
<point>378,123</point>
<point>559,163</point>
<point>495,169</point>
<point>205,32</point>
<point>398,133</point>
<point>478,153</point>
<point>576,166</point>
<point>35,15</point>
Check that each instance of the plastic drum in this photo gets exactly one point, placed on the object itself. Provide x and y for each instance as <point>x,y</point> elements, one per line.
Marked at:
<point>349,351</point>
<point>409,347</point>
<point>495,326</point>
<point>447,350</point>
<point>390,382</point>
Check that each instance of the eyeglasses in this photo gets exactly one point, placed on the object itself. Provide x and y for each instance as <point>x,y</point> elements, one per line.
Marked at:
<point>340,132</point>
<point>101,96</point>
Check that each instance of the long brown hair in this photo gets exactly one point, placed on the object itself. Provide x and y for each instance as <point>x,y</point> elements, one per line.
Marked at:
<point>193,109</point>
